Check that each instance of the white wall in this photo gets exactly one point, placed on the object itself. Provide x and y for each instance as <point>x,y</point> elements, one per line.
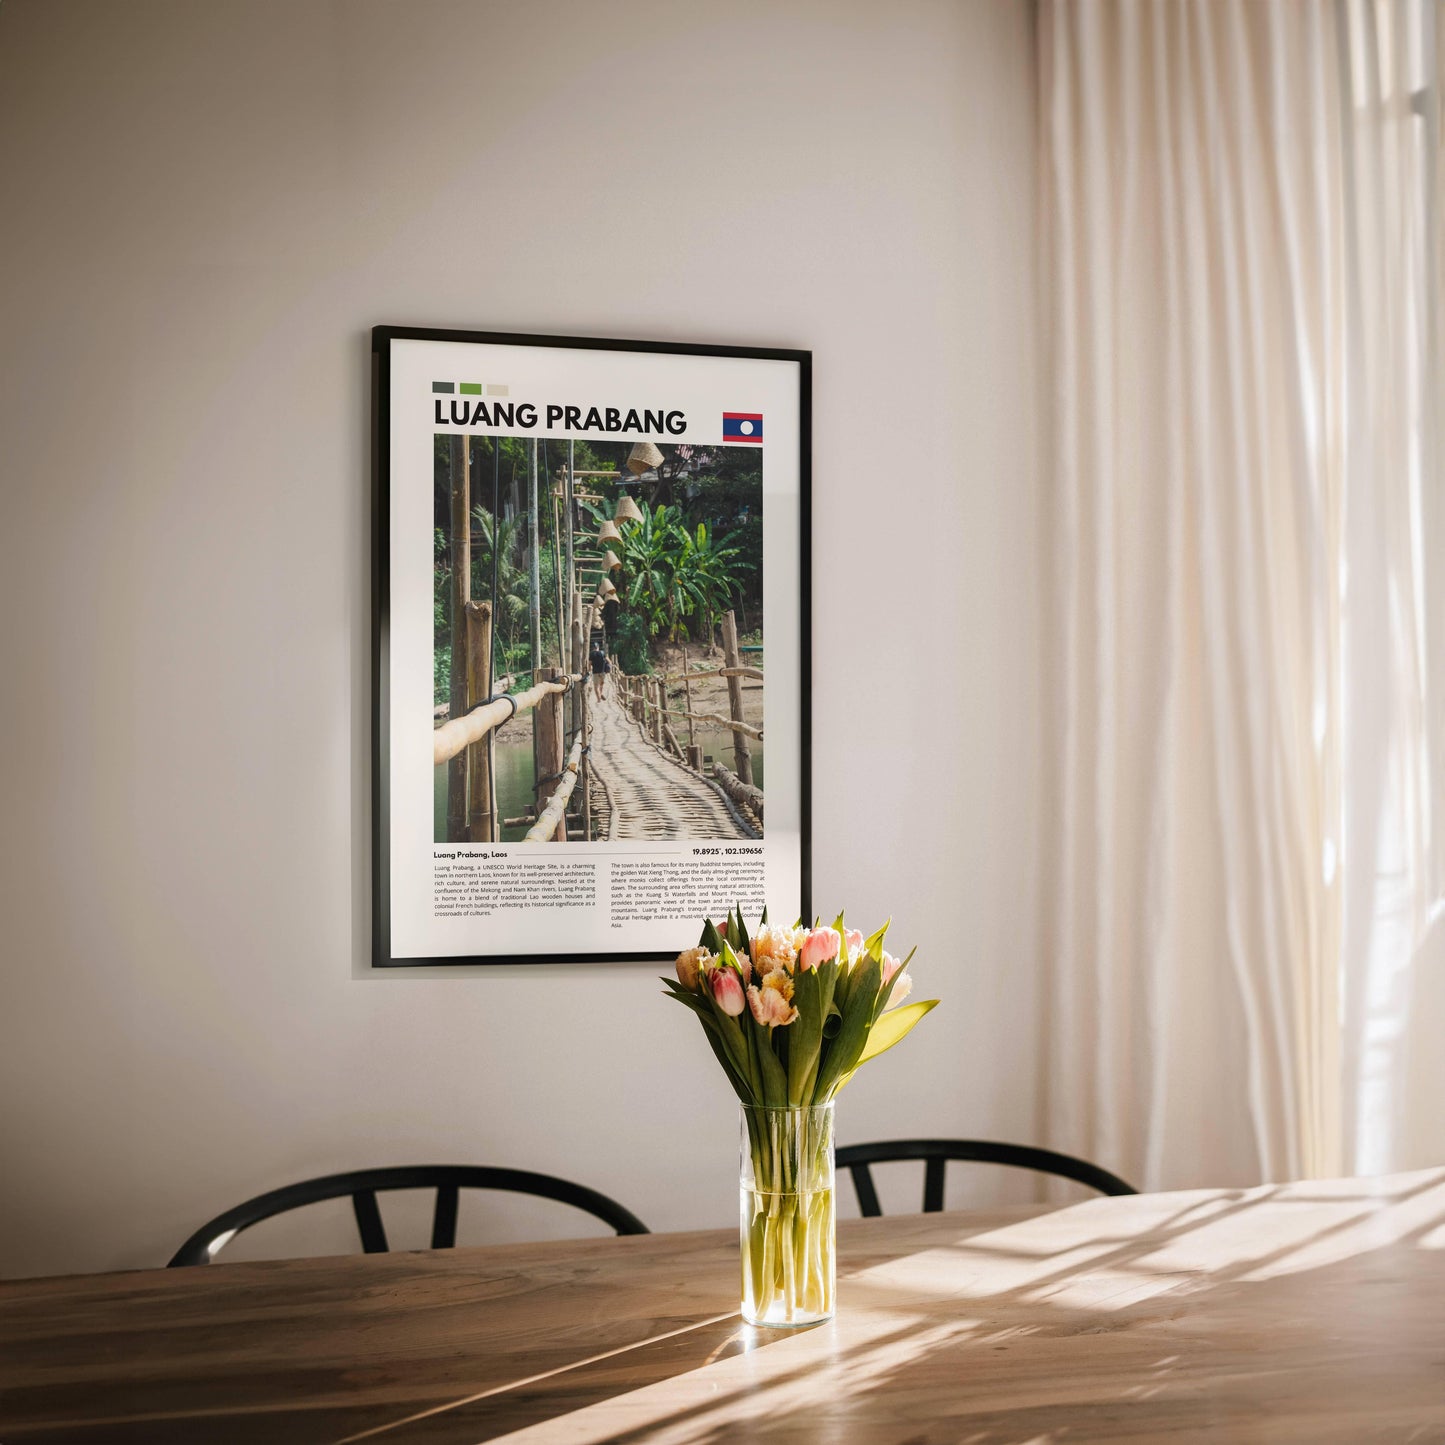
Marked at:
<point>205,207</point>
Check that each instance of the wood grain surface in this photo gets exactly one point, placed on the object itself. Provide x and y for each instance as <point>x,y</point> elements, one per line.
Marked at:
<point>1311,1312</point>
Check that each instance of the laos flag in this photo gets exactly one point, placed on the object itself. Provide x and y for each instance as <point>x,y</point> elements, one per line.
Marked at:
<point>742,426</point>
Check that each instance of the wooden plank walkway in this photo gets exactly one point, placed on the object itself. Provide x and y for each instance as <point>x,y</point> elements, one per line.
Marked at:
<point>651,794</point>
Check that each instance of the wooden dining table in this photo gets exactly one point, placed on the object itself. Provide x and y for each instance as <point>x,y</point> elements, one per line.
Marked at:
<point>1309,1312</point>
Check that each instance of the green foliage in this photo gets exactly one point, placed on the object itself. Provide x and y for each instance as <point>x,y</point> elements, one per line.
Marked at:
<point>512,624</point>
<point>441,673</point>
<point>672,572</point>
<point>730,499</point>
<point>696,553</point>
<point>508,461</point>
<point>630,644</point>
<point>441,630</point>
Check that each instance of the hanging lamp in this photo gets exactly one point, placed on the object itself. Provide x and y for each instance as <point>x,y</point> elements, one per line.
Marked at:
<point>627,510</point>
<point>643,456</point>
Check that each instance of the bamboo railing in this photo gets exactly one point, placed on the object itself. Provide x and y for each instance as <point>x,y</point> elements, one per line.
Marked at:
<point>451,737</point>
<point>755,673</point>
<point>739,791</point>
<point>646,698</point>
<point>737,725</point>
<point>546,825</point>
<point>442,711</point>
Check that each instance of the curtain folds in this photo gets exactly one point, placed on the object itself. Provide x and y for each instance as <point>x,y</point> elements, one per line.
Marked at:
<point>1241,270</point>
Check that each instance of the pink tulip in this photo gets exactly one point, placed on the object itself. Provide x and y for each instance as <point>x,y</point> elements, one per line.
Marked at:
<point>896,986</point>
<point>727,991</point>
<point>770,1008</point>
<point>819,946</point>
<point>853,942</point>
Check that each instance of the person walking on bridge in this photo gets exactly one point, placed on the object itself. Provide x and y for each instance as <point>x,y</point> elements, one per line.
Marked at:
<point>600,668</point>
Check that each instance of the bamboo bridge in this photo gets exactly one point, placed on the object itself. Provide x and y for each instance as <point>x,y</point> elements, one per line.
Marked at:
<point>650,792</point>
<point>609,770</point>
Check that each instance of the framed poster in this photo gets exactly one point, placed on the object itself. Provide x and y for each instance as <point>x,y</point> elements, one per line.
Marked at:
<point>590,638</point>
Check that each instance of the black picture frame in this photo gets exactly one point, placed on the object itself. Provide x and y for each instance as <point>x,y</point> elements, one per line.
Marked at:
<point>382,338</point>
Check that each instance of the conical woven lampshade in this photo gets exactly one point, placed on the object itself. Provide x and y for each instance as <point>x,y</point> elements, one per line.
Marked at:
<point>608,533</point>
<point>627,510</point>
<point>642,456</point>
<point>605,588</point>
<point>611,560</point>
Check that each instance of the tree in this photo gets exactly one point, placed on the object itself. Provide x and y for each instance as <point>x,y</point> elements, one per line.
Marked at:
<point>671,572</point>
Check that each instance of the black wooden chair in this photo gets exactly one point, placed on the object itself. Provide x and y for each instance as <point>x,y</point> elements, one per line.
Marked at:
<point>856,1158</point>
<point>363,1185</point>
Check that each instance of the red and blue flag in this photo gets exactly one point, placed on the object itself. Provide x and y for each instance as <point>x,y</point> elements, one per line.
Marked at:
<point>742,426</point>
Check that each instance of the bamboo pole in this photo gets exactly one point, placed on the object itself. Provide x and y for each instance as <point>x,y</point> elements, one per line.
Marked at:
<point>731,658</point>
<point>551,824</point>
<point>754,674</point>
<point>671,739</point>
<point>586,736</point>
<point>547,747</point>
<point>461,591</point>
<point>534,521</point>
<point>562,638</point>
<point>571,490</point>
<point>478,754</point>
<point>658,706</point>
<point>687,685</point>
<point>578,659</point>
<point>739,791</point>
<point>694,757</point>
<point>493,685</point>
<point>747,729</point>
<point>451,737</point>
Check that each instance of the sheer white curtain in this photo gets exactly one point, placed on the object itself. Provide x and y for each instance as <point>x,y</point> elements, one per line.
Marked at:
<point>1244,881</point>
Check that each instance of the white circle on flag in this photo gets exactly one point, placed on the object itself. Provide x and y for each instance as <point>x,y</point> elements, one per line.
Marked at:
<point>746,428</point>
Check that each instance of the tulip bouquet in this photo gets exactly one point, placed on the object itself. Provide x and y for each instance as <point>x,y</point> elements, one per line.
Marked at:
<point>791,1014</point>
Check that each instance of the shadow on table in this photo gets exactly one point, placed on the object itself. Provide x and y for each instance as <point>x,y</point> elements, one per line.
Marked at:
<point>1214,1315</point>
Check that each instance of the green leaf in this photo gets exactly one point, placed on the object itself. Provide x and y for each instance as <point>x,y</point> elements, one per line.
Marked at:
<point>740,1087</point>
<point>893,1027</point>
<point>805,1036</point>
<point>738,1076</point>
<point>775,1081</point>
<point>684,995</point>
<point>736,1040</point>
<point>873,944</point>
<point>740,941</point>
<point>842,1055</point>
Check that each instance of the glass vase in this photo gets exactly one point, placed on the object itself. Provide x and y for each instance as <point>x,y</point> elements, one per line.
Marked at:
<point>787,1221</point>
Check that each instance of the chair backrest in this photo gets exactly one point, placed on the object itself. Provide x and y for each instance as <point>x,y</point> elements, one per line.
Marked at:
<point>363,1185</point>
<point>856,1158</point>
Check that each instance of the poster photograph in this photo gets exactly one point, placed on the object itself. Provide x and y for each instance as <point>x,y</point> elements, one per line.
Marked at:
<point>590,644</point>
